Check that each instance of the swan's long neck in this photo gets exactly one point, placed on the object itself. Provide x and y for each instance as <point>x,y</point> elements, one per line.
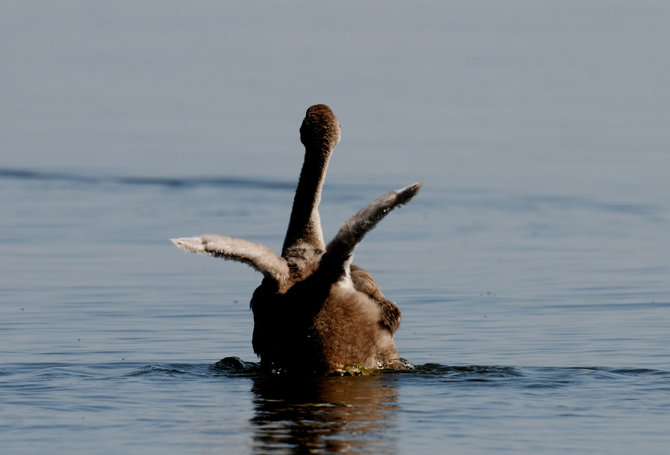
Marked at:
<point>304,227</point>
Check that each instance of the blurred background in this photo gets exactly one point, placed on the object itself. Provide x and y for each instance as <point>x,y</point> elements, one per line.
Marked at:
<point>554,96</point>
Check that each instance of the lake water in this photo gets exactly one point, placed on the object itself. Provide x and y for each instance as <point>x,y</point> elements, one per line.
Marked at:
<point>533,269</point>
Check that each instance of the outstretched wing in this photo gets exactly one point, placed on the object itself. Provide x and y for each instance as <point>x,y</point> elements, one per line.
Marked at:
<point>340,249</point>
<point>256,255</point>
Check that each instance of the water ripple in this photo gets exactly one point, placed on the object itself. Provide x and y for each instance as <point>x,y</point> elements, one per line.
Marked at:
<point>171,182</point>
<point>236,367</point>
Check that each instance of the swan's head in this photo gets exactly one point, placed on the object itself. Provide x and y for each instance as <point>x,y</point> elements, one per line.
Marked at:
<point>320,127</point>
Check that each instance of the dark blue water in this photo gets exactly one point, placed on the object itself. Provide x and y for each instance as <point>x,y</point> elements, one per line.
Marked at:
<point>532,270</point>
<point>202,408</point>
<point>110,335</point>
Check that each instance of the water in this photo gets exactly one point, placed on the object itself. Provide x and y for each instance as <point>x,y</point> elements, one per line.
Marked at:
<point>532,269</point>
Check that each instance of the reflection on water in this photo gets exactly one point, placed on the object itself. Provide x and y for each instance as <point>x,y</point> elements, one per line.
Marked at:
<point>354,414</point>
<point>341,414</point>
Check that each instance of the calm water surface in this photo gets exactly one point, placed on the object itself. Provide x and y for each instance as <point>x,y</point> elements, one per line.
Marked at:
<point>110,335</point>
<point>533,269</point>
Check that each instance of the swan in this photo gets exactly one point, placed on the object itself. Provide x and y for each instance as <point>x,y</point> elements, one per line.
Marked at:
<point>314,310</point>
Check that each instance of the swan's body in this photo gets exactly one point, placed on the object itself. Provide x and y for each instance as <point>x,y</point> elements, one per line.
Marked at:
<point>315,310</point>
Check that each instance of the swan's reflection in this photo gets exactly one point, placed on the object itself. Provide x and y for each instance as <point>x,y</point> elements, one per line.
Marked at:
<point>328,414</point>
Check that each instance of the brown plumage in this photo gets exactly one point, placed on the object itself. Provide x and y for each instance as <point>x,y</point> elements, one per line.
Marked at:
<point>314,310</point>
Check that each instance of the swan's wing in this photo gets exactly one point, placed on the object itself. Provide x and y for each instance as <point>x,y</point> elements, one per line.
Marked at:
<point>365,283</point>
<point>256,255</point>
<point>340,249</point>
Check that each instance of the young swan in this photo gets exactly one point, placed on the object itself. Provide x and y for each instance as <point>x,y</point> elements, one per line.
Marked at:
<point>314,310</point>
